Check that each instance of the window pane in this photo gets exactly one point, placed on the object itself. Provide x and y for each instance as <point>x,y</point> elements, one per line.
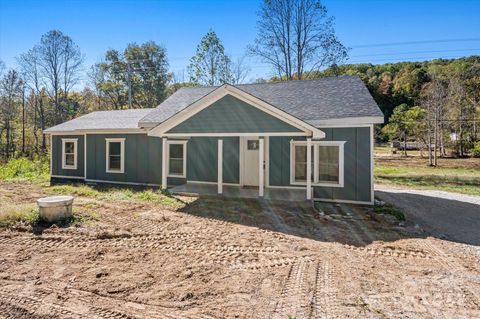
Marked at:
<point>328,162</point>
<point>114,162</point>
<point>176,150</point>
<point>176,166</point>
<point>252,145</point>
<point>114,148</point>
<point>70,159</point>
<point>69,147</point>
<point>300,153</point>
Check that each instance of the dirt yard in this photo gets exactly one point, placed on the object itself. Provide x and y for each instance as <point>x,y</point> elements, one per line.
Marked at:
<point>214,258</point>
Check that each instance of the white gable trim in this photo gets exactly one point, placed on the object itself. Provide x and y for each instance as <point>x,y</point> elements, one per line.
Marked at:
<point>227,89</point>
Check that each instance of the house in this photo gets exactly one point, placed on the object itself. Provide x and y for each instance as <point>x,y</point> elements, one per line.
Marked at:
<point>314,137</point>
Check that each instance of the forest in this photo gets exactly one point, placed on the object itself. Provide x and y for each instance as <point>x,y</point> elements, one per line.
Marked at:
<point>435,104</point>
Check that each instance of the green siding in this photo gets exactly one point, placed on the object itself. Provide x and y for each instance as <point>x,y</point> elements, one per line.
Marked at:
<point>357,175</point>
<point>202,159</point>
<point>57,156</point>
<point>231,115</point>
<point>143,159</point>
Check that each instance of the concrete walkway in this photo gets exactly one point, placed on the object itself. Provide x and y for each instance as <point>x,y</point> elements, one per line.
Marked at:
<point>451,216</point>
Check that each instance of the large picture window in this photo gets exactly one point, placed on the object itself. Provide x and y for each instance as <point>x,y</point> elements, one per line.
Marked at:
<point>327,163</point>
<point>177,154</point>
<point>69,153</point>
<point>115,152</point>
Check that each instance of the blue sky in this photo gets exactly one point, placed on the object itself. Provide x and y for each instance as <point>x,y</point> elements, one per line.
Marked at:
<point>97,26</point>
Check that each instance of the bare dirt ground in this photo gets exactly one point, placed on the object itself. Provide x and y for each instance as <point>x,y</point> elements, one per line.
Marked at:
<point>219,258</point>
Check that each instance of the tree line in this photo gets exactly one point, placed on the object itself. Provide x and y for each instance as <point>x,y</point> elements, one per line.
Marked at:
<point>435,102</point>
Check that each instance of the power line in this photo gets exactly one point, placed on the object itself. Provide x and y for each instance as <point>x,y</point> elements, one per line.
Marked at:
<point>413,52</point>
<point>413,42</point>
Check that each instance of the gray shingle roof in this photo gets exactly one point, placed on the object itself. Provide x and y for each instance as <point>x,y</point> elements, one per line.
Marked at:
<point>312,101</point>
<point>103,120</point>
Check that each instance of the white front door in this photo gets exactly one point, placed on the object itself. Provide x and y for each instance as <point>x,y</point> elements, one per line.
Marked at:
<point>250,153</point>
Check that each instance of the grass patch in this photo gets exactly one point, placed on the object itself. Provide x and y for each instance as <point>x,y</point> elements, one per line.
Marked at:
<point>19,213</point>
<point>25,170</point>
<point>459,180</point>
<point>389,209</point>
<point>116,194</point>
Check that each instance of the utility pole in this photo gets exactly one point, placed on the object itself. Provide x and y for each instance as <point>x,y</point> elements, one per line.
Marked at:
<point>129,80</point>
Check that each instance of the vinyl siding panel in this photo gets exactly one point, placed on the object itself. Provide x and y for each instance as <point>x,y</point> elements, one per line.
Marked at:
<point>57,156</point>
<point>231,115</point>
<point>143,159</point>
<point>202,159</point>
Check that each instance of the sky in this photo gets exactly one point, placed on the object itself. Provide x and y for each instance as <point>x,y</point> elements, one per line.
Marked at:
<point>376,31</point>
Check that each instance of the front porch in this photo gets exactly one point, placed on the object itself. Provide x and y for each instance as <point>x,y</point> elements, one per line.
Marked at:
<point>235,191</point>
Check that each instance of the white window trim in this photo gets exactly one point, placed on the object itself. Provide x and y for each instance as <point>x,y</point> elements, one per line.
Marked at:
<point>184,143</point>
<point>122,155</point>
<point>315,144</point>
<point>75,153</point>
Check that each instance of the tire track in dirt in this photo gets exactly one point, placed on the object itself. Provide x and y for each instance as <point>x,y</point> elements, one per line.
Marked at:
<point>324,304</point>
<point>449,264</point>
<point>295,299</point>
<point>392,251</point>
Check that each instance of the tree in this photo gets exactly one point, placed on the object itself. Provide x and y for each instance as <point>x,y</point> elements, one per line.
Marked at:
<point>149,77</point>
<point>210,65</point>
<point>434,95</point>
<point>10,93</point>
<point>296,37</point>
<point>31,73</point>
<point>60,61</point>
<point>405,122</point>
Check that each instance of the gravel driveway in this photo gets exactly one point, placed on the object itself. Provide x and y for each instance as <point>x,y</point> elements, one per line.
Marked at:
<point>445,215</point>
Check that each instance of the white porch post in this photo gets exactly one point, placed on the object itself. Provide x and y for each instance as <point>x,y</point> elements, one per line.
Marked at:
<point>260,166</point>
<point>309,168</point>
<point>164,162</point>
<point>220,167</point>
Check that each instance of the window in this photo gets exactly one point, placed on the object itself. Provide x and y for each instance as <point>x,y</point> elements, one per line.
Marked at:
<point>300,163</point>
<point>252,145</point>
<point>69,153</point>
<point>115,152</point>
<point>327,163</point>
<point>177,154</point>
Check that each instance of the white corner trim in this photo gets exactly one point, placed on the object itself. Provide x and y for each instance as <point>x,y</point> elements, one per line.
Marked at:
<point>164,163</point>
<point>220,166</point>
<point>372,142</point>
<point>122,155</point>
<point>184,169</point>
<point>316,159</point>
<point>261,172</point>
<point>227,89</point>
<point>75,153</point>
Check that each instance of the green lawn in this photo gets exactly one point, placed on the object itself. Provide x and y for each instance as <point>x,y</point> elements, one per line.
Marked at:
<point>459,180</point>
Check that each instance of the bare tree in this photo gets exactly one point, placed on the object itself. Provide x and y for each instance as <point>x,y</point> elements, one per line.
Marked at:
<point>237,71</point>
<point>10,93</point>
<point>60,62</point>
<point>434,96</point>
<point>31,73</point>
<point>296,37</point>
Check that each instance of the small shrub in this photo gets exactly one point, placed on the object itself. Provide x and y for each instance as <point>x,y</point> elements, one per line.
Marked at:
<point>22,214</point>
<point>389,210</point>
<point>476,150</point>
<point>24,169</point>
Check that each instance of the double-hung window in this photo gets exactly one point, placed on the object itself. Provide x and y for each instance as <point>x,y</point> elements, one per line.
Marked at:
<point>177,155</point>
<point>327,163</point>
<point>69,153</point>
<point>115,155</point>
